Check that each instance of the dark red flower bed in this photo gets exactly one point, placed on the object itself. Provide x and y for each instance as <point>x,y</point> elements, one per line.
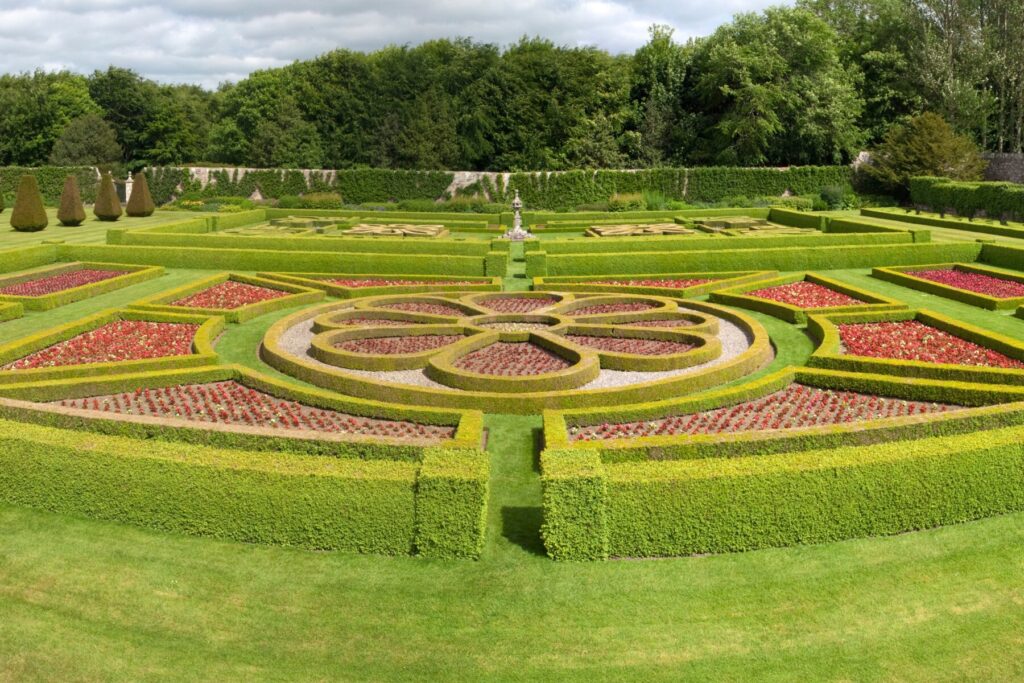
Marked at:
<point>357,283</point>
<point>374,322</point>
<point>673,283</point>
<point>120,340</point>
<point>425,307</point>
<point>913,340</point>
<point>519,304</point>
<point>511,359</point>
<point>60,282</point>
<point>643,347</point>
<point>805,295</point>
<point>392,345</point>
<point>794,407</point>
<point>234,404</point>
<point>673,322</point>
<point>630,307</point>
<point>229,295</point>
<point>1000,288</point>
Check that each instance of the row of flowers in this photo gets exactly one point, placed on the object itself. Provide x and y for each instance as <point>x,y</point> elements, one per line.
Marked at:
<point>805,295</point>
<point>396,345</point>
<point>913,340</point>
<point>667,283</point>
<point>518,304</point>
<point>121,340</point>
<point>1000,288</point>
<point>794,407</point>
<point>235,404</point>
<point>511,359</point>
<point>359,283</point>
<point>640,347</point>
<point>229,295</point>
<point>58,283</point>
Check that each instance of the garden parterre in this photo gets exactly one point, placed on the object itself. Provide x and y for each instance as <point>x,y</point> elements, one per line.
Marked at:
<point>635,373</point>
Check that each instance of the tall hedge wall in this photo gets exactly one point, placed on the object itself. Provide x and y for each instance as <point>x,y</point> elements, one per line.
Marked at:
<point>997,200</point>
<point>51,181</point>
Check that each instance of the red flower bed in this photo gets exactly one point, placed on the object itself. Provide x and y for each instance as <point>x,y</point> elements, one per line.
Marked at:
<point>120,340</point>
<point>234,404</point>
<point>519,304</point>
<point>60,282</point>
<point>511,359</point>
<point>357,283</point>
<point>806,295</point>
<point>913,340</point>
<point>426,307</point>
<point>1000,288</point>
<point>642,347</point>
<point>392,345</point>
<point>794,407</point>
<point>374,322</point>
<point>631,307</point>
<point>672,322</point>
<point>673,283</point>
<point>229,295</point>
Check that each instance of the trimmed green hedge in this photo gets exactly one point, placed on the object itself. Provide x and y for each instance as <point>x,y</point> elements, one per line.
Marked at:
<point>653,509</point>
<point>585,283</point>
<point>10,311</point>
<point>14,260</point>
<point>953,223</point>
<point>997,200</point>
<point>783,259</point>
<point>798,219</point>
<point>451,503</point>
<point>862,225</point>
<point>51,180</point>
<point>905,277</point>
<point>132,275</point>
<point>316,281</point>
<point>671,243</point>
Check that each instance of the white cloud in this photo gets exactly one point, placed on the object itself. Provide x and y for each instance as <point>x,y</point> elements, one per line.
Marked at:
<point>210,41</point>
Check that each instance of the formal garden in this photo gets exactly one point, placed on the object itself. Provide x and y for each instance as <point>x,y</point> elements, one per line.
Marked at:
<point>519,427</point>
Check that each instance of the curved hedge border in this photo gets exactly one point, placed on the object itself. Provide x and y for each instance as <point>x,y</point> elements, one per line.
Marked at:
<point>316,281</point>
<point>298,295</point>
<point>763,442</point>
<point>737,296</point>
<point>324,349</point>
<point>372,506</point>
<point>905,276</point>
<point>706,348</point>
<point>593,510</point>
<point>753,358</point>
<point>584,283</point>
<point>202,347</point>
<point>133,275</point>
<point>822,329</point>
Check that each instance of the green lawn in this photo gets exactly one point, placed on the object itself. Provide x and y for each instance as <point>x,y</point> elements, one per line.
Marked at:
<point>92,230</point>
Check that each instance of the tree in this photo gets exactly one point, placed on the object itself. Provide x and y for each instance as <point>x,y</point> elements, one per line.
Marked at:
<point>29,214</point>
<point>87,141</point>
<point>108,205</point>
<point>926,146</point>
<point>71,211</point>
<point>140,204</point>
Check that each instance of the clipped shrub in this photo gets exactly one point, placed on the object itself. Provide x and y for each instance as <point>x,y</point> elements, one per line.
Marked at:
<point>71,211</point>
<point>633,201</point>
<point>833,195</point>
<point>140,204</point>
<point>312,200</point>
<point>2,202</point>
<point>108,205</point>
<point>29,214</point>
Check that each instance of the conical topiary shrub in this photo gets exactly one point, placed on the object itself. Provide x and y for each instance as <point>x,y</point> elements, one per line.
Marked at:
<point>108,205</point>
<point>71,211</point>
<point>1,202</point>
<point>29,214</point>
<point>140,204</point>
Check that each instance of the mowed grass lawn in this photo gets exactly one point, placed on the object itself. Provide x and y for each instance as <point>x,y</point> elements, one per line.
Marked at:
<point>92,230</point>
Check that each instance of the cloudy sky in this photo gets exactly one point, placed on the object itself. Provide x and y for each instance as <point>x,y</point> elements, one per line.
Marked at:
<point>210,41</point>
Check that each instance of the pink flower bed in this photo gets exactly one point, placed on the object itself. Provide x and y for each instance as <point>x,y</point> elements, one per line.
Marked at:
<point>229,295</point>
<point>60,282</point>
<point>511,359</point>
<point>794,407</point>
<point>234,404</point>
<point>120,340</point>
<point>426,307</point>
<point>630,307</point>
<point>913,340</point>
<point>374,322</point>
<point>357,283</point>
<point>806,295</point>
<point>393,345</point>
<point>642,347</point>
<point>1000,288</point>
<point>672,322</point>
<point>518,304</point>
<point>672,283</point>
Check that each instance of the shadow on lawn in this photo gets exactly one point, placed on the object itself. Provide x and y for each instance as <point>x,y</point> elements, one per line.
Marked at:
<point>521,526</point>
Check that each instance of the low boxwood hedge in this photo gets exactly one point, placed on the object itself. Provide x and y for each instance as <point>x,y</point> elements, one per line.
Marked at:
<point>132,275</point>
<point>451,503</point>
<point>673,243</point>
<point>319,281</point>
<point>653,509</point>
<point>10,311</point>
<point>13,260</point>
<point>983,228</point>
<point>589,283</point>
<point>905,277</point>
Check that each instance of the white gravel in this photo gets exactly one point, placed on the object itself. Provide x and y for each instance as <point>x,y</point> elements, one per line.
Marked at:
<point>297,339</point>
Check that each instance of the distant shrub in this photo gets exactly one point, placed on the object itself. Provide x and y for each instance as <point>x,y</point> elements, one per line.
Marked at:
<point>29,214</point>
<point>833,196</point>
<point>633,201</point>
<point>108,205</point>
<point>140,204</point>
<point>312,200</point>
<point>71,211</point>
<point>655,200</point>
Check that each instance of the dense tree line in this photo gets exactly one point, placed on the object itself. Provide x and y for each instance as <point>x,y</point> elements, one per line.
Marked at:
<point>812,84</point>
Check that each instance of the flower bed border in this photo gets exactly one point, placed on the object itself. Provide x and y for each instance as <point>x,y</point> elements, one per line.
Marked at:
<point>132,276</point>
<point>309,280</point>
<point>583,283</point>
<point>903,276</point>
<point>297,295</point>
<point>738,296</point>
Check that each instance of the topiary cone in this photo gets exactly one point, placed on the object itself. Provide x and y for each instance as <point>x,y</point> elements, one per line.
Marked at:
<point>140,204</point>
<point>108,206</point>
<point>71,211</point>
<point>29,214</point>
<point>1,202</point>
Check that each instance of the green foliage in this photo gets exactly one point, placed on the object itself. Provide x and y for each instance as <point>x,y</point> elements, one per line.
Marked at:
<point>313,200</point>
<point>575,505</point>
<point>108,205</point>
<point>50,180</point>
<point>87,141</point>
<point>28,214</point>
<point>926,146</point>
<point>140,204</point>
<point>71,211</point>
<point>451,503</point>
<point>132,275</point>
<point>634,201</point>
<point>997,200</point>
